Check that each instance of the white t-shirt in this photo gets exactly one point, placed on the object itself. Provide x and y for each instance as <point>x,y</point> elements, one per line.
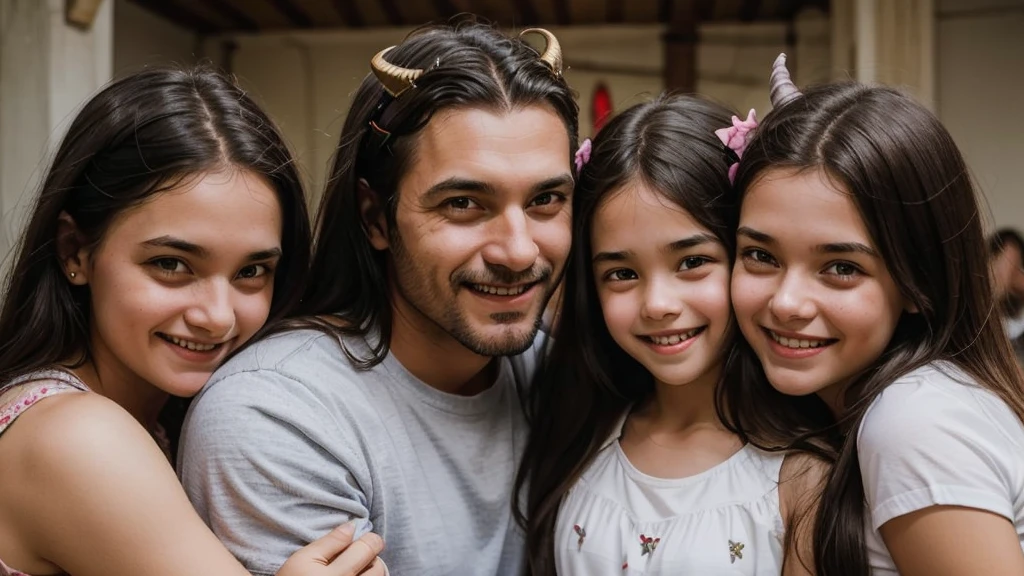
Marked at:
<point>934,437</point>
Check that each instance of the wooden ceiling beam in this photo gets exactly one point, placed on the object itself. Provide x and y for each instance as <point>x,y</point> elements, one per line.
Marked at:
<point>615,11</point>
<point>180,16</point>
<point>527,13</point>
<point>349,12</point>
<point>445,9</point>
<point>241,20</point>
<point>390,9</point>
<point>563,16</point>
<point>295,15</point>
<point>664,10</point>
<point>750,10</point>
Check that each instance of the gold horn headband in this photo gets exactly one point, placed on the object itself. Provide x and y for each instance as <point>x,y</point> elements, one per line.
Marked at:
<point>394,78</point>
<point>552,54</point>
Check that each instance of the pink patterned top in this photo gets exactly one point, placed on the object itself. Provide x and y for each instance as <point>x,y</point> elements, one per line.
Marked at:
<point>21,394</point>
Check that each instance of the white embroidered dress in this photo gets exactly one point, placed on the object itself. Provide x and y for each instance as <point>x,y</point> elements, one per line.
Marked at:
<point>619,521</point>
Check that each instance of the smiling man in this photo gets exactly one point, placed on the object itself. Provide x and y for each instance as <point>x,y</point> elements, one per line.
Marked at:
<point>394,400</point>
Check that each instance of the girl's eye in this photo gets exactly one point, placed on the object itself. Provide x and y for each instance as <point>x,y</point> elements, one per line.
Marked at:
<point>169,265</point>
<point>691,262</point>
<point>254,271</point>
<point>759,256</point>
<point>621,274</point>
<point>843,270</point>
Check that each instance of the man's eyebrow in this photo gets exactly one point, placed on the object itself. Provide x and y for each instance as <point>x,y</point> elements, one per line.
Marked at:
<point>456,184</point>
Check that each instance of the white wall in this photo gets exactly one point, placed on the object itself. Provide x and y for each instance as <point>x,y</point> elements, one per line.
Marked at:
<point>305,80</point>
<point>141,38</point>
<point>980,88</point>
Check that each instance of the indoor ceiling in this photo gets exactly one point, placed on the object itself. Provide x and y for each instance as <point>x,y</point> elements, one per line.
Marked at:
<point>222,16</point>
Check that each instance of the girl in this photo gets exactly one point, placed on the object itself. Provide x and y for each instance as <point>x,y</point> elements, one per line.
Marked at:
<point>862,278</point>
<point>629,468</point>
<point>169,228</point>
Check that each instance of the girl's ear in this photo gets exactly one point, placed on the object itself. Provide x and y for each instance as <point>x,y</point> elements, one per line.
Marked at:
<point>72,250</point>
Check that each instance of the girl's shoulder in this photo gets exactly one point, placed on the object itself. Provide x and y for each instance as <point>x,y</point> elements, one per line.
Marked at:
<point>27,390</point>
<point>933,401</point>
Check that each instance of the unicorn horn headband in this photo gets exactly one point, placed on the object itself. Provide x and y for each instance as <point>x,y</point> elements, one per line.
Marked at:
<point>736,137</point>
<point>782,88</point>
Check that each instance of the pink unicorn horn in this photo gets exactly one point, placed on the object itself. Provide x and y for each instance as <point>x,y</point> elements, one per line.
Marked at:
<point>782,88</point>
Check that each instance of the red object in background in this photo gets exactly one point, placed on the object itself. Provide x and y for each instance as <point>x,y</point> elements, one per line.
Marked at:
<point>600,106</point>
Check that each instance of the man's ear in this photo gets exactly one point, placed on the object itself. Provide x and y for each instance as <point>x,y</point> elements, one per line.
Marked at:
<point>371,212</point>
<point>72,250</point>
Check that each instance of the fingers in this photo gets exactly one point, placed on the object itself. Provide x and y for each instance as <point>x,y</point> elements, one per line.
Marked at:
<point>378,568</point>
<point>360,557</point>
<point>325,549</point>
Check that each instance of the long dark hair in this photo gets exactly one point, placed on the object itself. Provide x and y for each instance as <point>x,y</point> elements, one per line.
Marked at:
<point>912,189</point>
<point>468,65</point>
<point>141,135</point>
<point>587,381</point>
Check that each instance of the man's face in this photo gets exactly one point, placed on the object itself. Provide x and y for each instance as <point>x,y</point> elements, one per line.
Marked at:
<point>482,227</point>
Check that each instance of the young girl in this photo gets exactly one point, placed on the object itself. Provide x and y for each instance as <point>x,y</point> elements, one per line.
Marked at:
<point>862,278</point>
<point>169,228</point>
<point>629,469</point>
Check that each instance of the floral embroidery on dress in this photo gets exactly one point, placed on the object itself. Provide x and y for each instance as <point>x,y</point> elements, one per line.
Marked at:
<point>648,545</point>
<point>581,533</point>
<point>735,551</point>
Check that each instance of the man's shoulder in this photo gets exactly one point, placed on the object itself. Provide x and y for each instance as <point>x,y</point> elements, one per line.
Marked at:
<point>308,355</point>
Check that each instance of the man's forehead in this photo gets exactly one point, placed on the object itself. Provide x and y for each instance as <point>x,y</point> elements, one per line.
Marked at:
<point>519,148</point>
<point>493,122</point>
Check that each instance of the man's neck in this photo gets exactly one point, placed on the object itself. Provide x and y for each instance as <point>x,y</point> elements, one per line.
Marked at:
<point>437,359</point>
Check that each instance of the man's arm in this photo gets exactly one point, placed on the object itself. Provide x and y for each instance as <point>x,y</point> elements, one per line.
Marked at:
<point>268,468</point>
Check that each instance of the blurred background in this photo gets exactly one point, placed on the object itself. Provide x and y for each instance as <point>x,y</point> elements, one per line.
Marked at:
<point>302,59</point>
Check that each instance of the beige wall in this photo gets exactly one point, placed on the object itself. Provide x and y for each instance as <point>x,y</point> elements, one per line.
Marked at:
<point>979,95</point>
<point>305,80</point>
<point>141,38</point>
<point>48,70</point>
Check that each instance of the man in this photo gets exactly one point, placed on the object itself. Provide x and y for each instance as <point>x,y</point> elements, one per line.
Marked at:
<point>395,401</point>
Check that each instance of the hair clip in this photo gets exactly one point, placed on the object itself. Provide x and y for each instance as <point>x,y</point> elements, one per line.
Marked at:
<point>583,154</point>
<point>735,139</point>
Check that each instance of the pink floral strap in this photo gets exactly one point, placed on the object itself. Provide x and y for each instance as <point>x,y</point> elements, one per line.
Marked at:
<point>19,398</point>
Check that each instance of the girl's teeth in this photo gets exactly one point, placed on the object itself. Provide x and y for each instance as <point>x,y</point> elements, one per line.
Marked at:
<point>796,343</point>
<point>499,291</point>
<point>192,345</point>
<point>673,339</point>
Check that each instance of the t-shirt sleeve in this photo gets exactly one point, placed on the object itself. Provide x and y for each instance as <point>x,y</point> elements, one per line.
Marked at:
<point>268,468</point>
<point>921,446</point>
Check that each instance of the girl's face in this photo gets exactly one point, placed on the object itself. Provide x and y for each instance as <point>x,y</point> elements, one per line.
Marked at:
<point>663,282</point>
<point>811,292</point>
<point>180,281</point>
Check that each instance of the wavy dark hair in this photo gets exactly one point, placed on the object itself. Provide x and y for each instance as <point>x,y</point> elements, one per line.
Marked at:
<point>587,381</point>
<point>141,135</point>
<point>909,182</point>
<point>468,64</point>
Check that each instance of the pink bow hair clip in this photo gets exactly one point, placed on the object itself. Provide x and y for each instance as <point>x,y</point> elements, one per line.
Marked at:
<point>583,154</point>
<point>735,138</point>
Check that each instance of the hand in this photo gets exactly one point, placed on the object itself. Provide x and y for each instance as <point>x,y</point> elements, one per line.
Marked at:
<point>337,555</point>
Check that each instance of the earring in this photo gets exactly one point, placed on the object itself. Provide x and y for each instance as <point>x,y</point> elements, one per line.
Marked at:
<point>72,275</point>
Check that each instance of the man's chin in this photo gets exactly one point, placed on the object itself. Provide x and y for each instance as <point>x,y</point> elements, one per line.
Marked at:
<point>506,339</point>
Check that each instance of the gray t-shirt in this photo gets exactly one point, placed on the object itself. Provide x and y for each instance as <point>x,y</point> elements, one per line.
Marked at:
<point>288,440</point>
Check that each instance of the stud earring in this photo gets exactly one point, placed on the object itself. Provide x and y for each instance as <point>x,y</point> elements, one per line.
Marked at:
<point>73,275</point>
